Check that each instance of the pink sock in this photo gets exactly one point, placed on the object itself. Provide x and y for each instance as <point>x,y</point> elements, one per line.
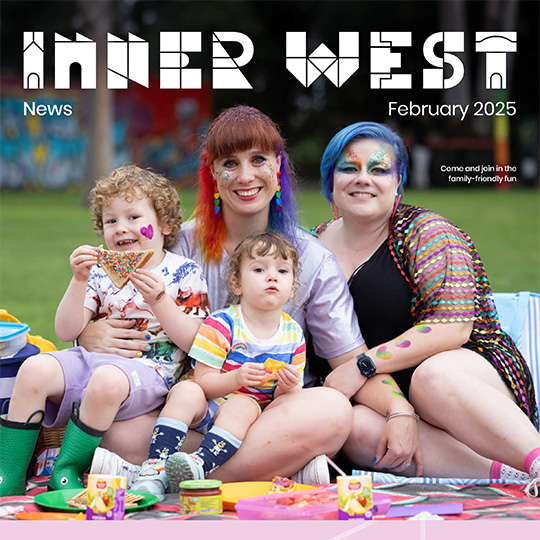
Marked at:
<point>532,463</point>
<point>505,472</point>
<point>495,469</point>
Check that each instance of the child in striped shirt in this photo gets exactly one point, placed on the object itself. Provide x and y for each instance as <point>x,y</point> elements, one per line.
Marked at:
<point>245,356</point>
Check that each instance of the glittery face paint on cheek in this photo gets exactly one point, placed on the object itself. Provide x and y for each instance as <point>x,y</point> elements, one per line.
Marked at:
<point>223,175</point>
<point>397,394</point>
<point>383,353</point>
<point>269,171</point>
<point>148,231</point>
<point>389,382</point>
<point>423,329</point>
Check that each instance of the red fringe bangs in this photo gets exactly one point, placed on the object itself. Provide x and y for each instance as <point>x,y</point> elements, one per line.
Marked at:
<point>243,134</point>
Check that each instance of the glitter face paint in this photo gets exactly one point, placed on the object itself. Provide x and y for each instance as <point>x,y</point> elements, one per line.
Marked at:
<point>349,162</point>
<point>381,159</point>
<point>223,175</point>
<point>230,169</point>
<point>383,354</point>
<point>389,382</point>
<point>397,394</point>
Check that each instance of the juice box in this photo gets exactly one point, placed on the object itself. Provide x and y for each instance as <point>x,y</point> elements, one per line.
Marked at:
<point>355,497</point>
<point>106,497</point>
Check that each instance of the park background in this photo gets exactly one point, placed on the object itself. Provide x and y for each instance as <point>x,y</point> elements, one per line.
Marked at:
<point>48,164</point>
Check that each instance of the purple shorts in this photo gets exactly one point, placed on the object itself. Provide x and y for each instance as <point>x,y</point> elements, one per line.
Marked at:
<point>148,389</point>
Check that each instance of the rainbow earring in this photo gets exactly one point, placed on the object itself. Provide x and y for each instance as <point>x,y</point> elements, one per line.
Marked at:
<point>335,210</point>
<point>278,192</point>
<point>396,204</point>
<point>217,202</point>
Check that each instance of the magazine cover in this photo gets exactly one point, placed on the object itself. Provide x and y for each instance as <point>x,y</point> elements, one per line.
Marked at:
<point>402,134</point>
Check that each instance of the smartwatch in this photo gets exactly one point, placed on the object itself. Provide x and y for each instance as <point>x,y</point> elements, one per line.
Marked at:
<point>366,366</point>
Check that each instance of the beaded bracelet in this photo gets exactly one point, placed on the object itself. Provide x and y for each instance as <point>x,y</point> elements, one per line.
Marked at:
<point>402,413</point>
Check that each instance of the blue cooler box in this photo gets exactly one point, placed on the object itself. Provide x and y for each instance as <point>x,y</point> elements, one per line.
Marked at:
<point>8,371</point>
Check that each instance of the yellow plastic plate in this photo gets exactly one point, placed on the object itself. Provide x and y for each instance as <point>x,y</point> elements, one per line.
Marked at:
<point>33,516</point>
<point>238,490</point>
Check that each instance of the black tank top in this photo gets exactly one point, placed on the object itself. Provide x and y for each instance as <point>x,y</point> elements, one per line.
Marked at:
<point>375,286</point>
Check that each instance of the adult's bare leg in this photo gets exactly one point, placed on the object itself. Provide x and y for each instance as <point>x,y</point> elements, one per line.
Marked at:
<point>291,431</point>
<point>443,455</point>
<point>460,392</point>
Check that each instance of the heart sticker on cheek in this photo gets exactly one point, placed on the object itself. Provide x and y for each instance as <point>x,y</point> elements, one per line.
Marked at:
<point>148,232</point>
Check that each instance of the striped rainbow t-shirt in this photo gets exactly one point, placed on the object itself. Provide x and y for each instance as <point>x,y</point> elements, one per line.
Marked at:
<point>225,342</point>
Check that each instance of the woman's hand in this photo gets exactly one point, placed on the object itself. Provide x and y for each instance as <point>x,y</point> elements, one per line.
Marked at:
<point>114,336</point>
<point>81,261</point>
<point>287,378</point>
<point>250,374</point>
<point>399,445</point>
<point>149,285</point>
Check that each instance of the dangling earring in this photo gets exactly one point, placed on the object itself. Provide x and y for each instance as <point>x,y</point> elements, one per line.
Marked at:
<point>217,202</point>
<point>335,210</point>
<point>396,204</point>
<point>278,191</point>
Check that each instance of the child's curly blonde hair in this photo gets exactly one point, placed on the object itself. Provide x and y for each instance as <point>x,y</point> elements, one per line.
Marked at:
<point>260,245</point>
<point>133,182</point>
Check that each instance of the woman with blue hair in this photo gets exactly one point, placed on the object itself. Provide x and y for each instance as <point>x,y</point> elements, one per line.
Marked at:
<point>426,311</point>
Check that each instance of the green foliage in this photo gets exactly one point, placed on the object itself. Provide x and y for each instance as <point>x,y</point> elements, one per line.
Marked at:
<point>39,231</point>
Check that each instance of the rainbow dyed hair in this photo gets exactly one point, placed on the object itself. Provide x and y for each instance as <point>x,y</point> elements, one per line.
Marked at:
<point>355,132</point>
<point>238,129</point>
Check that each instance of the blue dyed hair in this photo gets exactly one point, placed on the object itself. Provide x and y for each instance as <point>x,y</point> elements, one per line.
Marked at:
<point>356,132</point>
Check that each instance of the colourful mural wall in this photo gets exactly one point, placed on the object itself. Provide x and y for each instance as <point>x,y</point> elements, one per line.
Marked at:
<point>152,127</point>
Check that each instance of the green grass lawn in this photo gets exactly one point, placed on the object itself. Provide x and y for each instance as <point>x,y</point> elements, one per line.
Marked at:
<point>38,232</point>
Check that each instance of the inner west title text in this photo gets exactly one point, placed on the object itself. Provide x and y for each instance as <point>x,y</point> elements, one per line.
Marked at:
<point>128,60</point>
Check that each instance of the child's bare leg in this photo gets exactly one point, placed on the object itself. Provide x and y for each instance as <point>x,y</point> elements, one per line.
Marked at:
<point>107,389</point>
<point>39,378</point>
<point>186,402</point>
<point>237,414</point>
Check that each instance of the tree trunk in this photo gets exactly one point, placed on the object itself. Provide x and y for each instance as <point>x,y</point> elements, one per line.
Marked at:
<point>98,16</point>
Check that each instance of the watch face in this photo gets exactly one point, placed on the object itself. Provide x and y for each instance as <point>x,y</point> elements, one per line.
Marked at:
<point>367,367</point>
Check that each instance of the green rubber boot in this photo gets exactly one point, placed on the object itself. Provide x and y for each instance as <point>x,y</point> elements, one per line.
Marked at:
<point>17,444</point>
<point>78,446</point>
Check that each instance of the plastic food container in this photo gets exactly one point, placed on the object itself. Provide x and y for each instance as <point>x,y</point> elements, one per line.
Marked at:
<point>272,507</point>
<point>12,338</point>
<point>277,506</point>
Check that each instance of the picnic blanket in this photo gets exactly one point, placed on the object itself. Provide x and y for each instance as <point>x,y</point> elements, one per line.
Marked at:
<point>480,501</point>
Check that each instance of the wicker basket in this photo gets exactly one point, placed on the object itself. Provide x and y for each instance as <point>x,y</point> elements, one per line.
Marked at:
<point>49,438</point>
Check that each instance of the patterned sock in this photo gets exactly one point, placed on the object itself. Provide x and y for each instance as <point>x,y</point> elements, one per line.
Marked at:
<point>167,438</point>
<point>532,463</point>
<point>217,447</point>
<point>505,472</point>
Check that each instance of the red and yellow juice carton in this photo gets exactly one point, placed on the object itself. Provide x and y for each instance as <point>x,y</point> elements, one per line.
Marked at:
<point>106,497</point>
<point>355,497</point>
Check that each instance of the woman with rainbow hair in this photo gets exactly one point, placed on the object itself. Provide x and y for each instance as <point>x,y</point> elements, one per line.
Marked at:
<point>246,186</point>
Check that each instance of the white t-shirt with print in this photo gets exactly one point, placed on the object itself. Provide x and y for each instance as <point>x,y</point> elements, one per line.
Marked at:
<point>184,282</point>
